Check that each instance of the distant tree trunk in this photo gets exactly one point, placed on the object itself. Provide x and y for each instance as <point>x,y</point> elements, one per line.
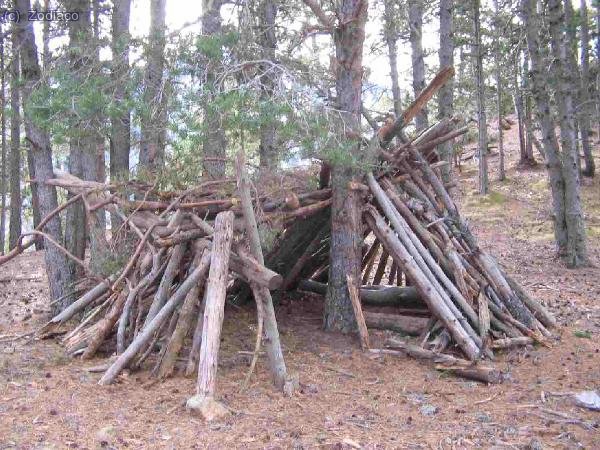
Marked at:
<point>481,119</point>
<point>214,142</point>
<point>498,69</point>
<point>519,107</point>
<point>598,71</point>
<point>15,146</point>
<point>446,93</point>
<point>576,238</point>
<point>87,144</point>
<point>415,22</point>
<point>46,39</point>
<point>3,143</point>
<point>541,95</point>
<point>390,32</point>
<point>346,224</point>
<point>570,44</point>
<point>586,94</point>
<point>59,278</point>
<point>268,153</point>
<point>121,122</point>
<point>152,133</point>
<point>527,156</point>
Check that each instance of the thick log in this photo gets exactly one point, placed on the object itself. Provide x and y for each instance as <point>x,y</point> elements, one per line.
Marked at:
<point>436,304</point>
<point>411,326</point>
<point>457,366</point>
<point>363,332</point>
<point>214,307</point>
<point>251,270</point>
<point>373,295</point>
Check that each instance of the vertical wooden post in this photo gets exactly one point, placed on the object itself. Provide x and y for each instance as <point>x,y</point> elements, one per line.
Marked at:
<point>203,402</point>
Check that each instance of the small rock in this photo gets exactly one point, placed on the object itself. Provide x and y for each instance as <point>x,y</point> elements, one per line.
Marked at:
<point>106,435</point>
<point>483,417</point>
<point>428,410</point>
<point>291,385</point>
<point>206,407</point>
<point>588,399</point>
<point>310,388</point>
<point>535,444</point>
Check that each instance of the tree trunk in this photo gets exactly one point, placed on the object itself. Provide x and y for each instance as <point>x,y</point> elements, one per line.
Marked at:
<point>446,93</point>
<point>586,94</point>
<point>346,226</point>
<point>3,144</point>
<point>390,32</point>
<point>151,141</point>
<point>15,146</point>
<point>576,243</point>
<point>415,22</point>
<point>269,156</point>
<point>550,143</point>
<point>519,107</point>
<point>120,124</point>
<point>498,69</point>
<point>528,123</point>
<point>481,119</point>
<point>59,278</point>
<point>35,198</point>
<point>570,45</point>
<point>87,144</point>
<point>214,140</point>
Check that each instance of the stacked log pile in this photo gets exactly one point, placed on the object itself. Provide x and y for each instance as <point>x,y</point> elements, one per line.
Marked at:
<point>198,246</point>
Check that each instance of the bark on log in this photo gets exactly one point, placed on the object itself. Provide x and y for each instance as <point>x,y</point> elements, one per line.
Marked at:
<point>215,303</point>
<point>358,313</point>
<point>251,270</point>
<point>412,326</point>
<point>382,296</point>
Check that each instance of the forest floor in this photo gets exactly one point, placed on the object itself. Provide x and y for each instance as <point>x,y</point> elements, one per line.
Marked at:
<point>348,399</point>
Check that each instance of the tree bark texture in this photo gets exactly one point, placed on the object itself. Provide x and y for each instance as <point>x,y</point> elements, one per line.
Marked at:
<point>415,22</point>
<point>446,92</point>
<point>59,278</point>
<point>346,226</point>
<point>153,120</point>
<point>390,32</point>
<point>586,94</point>
<point>15,145</point>
<point>215,141</point>
<point>481,116</point>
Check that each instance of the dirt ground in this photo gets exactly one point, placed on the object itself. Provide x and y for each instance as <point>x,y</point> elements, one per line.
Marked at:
<point>348,399</point>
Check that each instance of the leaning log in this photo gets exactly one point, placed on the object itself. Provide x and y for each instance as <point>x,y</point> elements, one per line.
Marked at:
<point>436,304</point>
